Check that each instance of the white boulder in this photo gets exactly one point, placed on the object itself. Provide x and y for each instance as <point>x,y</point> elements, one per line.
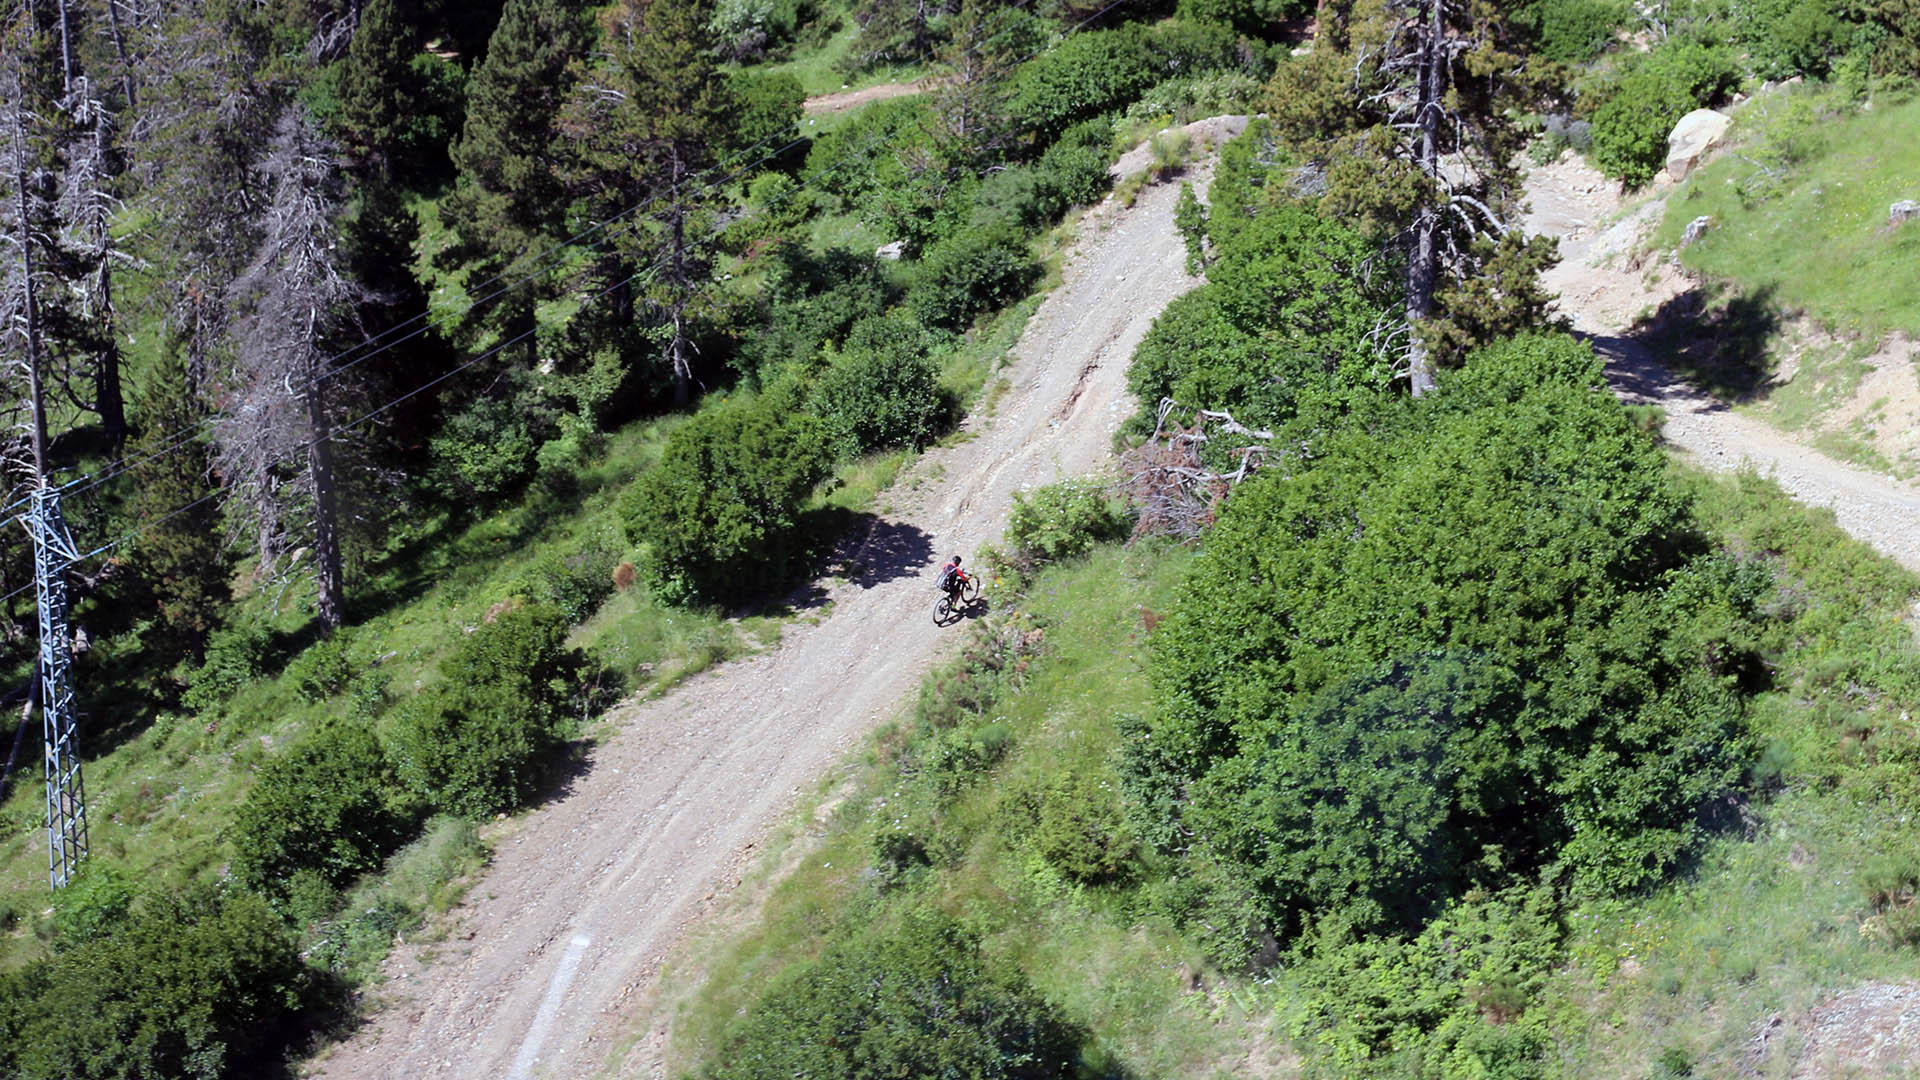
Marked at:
<point>1696,133</point>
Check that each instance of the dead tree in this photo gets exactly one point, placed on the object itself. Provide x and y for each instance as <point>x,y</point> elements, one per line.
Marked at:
<point>1169,479</point>
<point>276,434</point>
<point>86,209</point>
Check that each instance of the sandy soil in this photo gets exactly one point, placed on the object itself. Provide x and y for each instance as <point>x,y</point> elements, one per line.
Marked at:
<point>1604,291</point>
<point>558,945</point>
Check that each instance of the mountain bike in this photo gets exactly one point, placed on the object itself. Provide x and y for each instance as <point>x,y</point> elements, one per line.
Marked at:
<point>952,605</point>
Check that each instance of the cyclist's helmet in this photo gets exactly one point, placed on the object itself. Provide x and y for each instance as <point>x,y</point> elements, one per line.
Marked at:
<point>956,560</point>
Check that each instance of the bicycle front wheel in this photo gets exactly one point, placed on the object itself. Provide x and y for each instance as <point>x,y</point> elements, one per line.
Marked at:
<point>971,590</point>
<point>942,611</point>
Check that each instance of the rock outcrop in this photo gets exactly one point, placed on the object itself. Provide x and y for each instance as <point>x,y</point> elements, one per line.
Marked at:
<point>1697,132</point>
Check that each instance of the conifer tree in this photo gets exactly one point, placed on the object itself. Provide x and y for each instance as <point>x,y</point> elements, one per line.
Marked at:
<point>178,555</point>
<point>509,192</point>
<point>648,128</point>
<point>1407,106</point>
<point>382,96</point>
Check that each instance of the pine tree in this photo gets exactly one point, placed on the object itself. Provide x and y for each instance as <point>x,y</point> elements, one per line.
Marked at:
<point>382,96</point>
<point>1407,106</point>
<point>178,555</point>
<point>510,195</point>
<point>648,128</point>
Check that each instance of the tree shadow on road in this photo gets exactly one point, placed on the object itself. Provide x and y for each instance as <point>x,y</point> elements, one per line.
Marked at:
<point>1717,338</point>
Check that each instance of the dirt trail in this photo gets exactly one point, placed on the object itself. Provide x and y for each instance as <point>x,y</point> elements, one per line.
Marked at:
<point>847,99</point>
<point>1603,295</point>
<point>562,938</point>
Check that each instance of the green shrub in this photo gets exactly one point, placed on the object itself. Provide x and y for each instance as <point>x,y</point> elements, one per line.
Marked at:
<point>1062,521</point>
<point>974,271</point>
<point>325,804</point>
<point>574,579</point>
<point>1079,828</point>
<point>236,656</point>
<point>1087,74</point>
<point>1252,17</point>
<point>1519,525</point>
<point>1573,31</point>
<point>1281,329</point>
<point>914,999</point>
<point>483,451</point>
<point>92,905</point>
<point>1072,171</point>
<point>720,514</point>
<point>815,301</point>
<point>478,742</point>
<point>1455,1001</point>
<point>207,986</point>
<point>1630,129</point>
<point>882,389</point>
<point>324,669</point>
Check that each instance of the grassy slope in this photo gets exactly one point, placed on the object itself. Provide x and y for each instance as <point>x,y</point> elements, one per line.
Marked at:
<point>1126,979</point>
<point>1800,210</point>
<point>1770,920</point>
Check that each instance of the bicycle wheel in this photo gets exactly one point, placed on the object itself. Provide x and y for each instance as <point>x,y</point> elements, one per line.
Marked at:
<point>970,591</point>
<point>942,611</point>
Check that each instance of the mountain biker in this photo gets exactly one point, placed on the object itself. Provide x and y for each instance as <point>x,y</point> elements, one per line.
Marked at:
<point>952,579</point>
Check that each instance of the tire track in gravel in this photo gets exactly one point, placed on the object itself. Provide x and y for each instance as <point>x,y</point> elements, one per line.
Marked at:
<point>561,940</point>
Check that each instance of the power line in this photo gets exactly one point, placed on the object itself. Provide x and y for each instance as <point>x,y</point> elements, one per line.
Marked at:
<point>182,436</point>
<point>859,155</point>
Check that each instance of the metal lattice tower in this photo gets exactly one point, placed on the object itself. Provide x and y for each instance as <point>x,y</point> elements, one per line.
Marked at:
<point>53,553</point>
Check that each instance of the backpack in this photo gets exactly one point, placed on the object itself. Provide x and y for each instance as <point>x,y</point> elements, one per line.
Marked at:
<point>946,578</point>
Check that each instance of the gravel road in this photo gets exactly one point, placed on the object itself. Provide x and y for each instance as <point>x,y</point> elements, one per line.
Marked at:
<point>564,935</point>
<point>1603,294</point>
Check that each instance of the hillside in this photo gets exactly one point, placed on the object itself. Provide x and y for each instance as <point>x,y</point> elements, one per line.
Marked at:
<point>567,930</point>
<point>506,447</point>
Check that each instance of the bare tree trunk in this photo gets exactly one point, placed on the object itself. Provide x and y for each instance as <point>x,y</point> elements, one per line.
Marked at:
<point>326,535</point>
<point>682,363</point>
<point>120,51</point>
<point>29,315</point>
<point>1424,257</point>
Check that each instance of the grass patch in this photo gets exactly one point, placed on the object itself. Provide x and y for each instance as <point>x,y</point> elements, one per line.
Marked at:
<point>988,730</point>
<point>1826,376</point>
<point>1799,209</point>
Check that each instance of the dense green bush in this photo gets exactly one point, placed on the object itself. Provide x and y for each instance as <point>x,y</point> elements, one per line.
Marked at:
<point>1073,168</point>
<point>1079,828</point>
<point>1630,129</point>
<point>720,514</point>
<point>236,656</point>
<point>882,389</point>
<point>206,986</point>
<point>325,804</point>
<point>855,161</point>
<point>1061,521</point>
<point>479,741</point>
<point>573,579</point>
<point>914,999</point>
<point>1454,1001</point>
<point>324,668</point>
<point>91,905</point>
<point>813,301</point>
<point>1518,528</point>
<point>1087,74</point>
<point>1796,37</point>
<point>1573,31</point>
<point>483,451</point>
<point>1281,329</point>
<point>1255,18</point>
<point>974,271</point>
